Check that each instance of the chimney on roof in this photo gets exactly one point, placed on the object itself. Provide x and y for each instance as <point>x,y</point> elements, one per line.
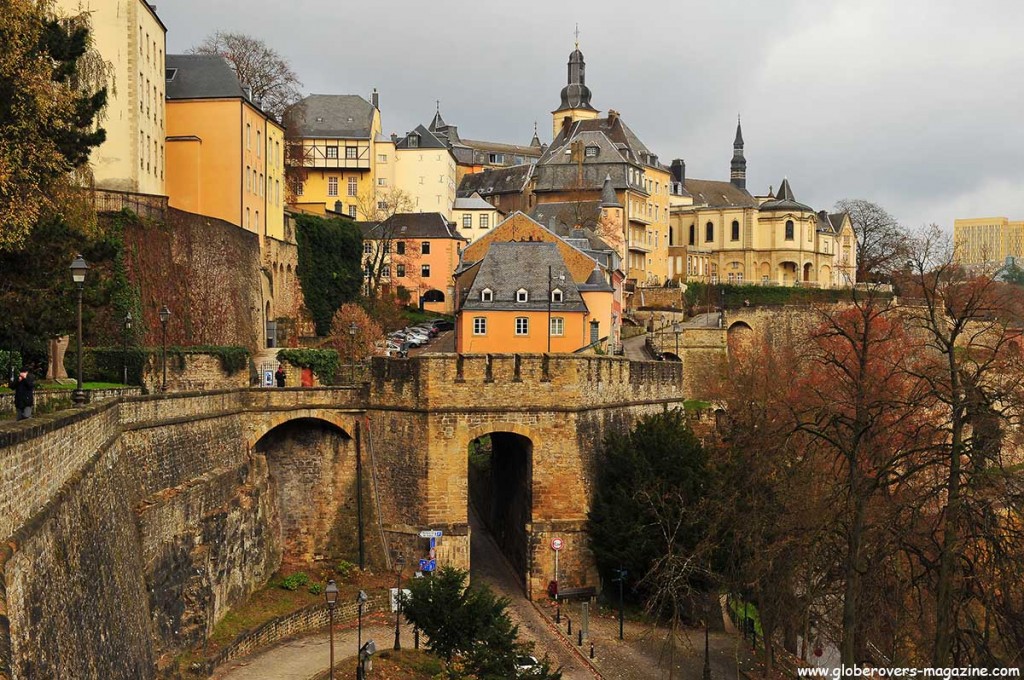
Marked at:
<point>613,116</point>
<point>248,92</point>
<point>678,169</point>
<point>566,124</point>
<point>394,138</point>
<point>375,99</point>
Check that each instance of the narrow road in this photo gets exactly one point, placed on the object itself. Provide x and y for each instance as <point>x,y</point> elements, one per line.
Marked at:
<point>488,566</point>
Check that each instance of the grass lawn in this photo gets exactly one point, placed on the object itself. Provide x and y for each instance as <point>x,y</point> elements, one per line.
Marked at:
<point>737,606</point>
<point>388,664</point>
<point>51,385</point>
<point>696,404</point>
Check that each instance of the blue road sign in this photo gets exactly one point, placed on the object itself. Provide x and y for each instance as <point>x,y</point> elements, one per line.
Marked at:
<point>428,565</point>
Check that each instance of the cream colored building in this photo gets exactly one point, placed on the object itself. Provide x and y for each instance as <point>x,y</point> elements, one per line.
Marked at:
<point>474,217</point>
<point>425,170</point>
<point>983,240</point>
<point>130,38</point>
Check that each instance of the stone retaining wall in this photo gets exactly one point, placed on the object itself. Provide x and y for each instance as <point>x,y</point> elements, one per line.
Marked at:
<point>55,399</point>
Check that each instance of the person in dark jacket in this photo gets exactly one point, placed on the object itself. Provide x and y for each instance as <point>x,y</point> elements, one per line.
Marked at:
<point>279,376</point>
<point>24,399</point>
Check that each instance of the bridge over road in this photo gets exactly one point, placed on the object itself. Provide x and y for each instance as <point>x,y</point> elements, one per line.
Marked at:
<point>130,527</point>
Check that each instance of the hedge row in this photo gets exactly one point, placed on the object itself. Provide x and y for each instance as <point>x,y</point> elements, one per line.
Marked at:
<point>698,294</point>
<point>323,362</point>
<point>106,364</point>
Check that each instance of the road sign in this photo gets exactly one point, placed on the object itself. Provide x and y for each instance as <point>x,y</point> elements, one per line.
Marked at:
<point>428,565</point>
<point>268,378</point>
<point>431,533</point>
<point>556,544</point>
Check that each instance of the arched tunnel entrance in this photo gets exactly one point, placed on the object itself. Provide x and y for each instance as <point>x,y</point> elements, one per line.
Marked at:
<point>312,468</point>
<point>501,493</point>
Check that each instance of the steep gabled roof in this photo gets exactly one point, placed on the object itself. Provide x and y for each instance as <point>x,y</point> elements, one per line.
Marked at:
<point>515,265</point>
<point>473,202</point>
<point>201,76</point>
<point>410,225</point>
<point>785,201</point>
<point>618,133</point>
<point>427,140</point>
<point>342,116</point>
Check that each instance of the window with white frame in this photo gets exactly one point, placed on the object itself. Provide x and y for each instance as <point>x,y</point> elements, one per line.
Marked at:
<point>385,271</point>
<point>487,295</point>
<point>467,221</point>
<point>332,186</point>
<point>556,295</point>
<point>351,153</point>
<point>522,295</point>
<point>382,158</point>
<point>485,221</point>
<point>332,152</point>
<point>522,325</point>
<point>352,211</point>
<point>382,181</point>
<point>479,325</point>
<point>353,186</point>
<point>557,326</point>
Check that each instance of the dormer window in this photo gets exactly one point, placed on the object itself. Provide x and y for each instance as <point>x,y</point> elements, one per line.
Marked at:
<point>414,141</point>
<point>522,295</point>
<point>556,295</point>
<point>592,151</point>
<point>486,295</point>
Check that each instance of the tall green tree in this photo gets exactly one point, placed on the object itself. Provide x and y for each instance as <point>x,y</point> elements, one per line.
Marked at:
<point>47,117</point>
<point>330,271</point>
<point>650,487</point>
<point>469,628</point>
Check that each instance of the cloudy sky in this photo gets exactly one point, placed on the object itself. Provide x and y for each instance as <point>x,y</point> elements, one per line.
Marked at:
<point>915,104</point>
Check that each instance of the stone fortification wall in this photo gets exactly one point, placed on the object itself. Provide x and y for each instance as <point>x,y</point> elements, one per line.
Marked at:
<point>53,399</point>
<point>191,373</point>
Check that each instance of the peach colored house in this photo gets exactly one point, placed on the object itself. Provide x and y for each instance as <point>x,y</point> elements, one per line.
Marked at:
<point>422,253</point>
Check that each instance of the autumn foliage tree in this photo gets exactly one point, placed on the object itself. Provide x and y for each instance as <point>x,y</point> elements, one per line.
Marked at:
<point>354,334</point>
<point>47,119</point>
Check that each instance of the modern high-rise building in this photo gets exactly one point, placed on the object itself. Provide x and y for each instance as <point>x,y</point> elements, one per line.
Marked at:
<point>981,240</point>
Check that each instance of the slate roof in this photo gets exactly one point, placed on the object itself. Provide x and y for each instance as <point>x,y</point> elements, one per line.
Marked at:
<point>410,225</point>
<point>830,222</point>
<point>342,116</point>
<point>597,283</point>
<point>201,76</point>
<point>473,202</point>
<point>618,133</point>
<point>501,147</point>
<point>510,266</point>
<point>784,201</point>
<point>564,214</point>
<point>717,194</point>
<point>427,140</point>
<point>501,181</point>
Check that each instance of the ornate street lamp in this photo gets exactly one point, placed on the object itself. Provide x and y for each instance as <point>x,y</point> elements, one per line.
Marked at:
<point>353,328</point>
<point>361,600</point>
<point>678,328</point>
<point>165,316</point>
<point>79,268</point>
<point>331,596</point>
<point>400,563</point>
<point>124,354</point>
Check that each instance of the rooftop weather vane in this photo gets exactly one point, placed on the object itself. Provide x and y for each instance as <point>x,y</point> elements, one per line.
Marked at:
<point>577,36</point>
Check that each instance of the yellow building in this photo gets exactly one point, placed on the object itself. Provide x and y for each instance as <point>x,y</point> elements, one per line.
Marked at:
<point>130,38</point>
<point>225,155</point>
<point>987,240</point>
<point>337,155</point>
<point>474,217</point>
<point>425,171</point>
<point>503,288</point>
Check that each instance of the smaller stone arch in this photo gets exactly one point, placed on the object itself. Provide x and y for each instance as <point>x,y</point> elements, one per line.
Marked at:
<point>739,337</point>
<point>808,272</point>
<point>259,427</point>
<point>433,295</point>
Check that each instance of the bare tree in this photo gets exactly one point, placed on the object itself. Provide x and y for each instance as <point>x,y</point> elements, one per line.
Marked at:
<point>274,84</point>
<point>881,240</point>
<point>381,256</point>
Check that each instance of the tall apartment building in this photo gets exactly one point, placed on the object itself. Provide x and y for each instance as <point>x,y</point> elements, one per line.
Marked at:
<point>981,240</point>
<point>131,39</point>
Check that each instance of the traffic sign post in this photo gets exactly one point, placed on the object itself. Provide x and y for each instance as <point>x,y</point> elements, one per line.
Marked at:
<point>556,545</point>
<point>431,533</point>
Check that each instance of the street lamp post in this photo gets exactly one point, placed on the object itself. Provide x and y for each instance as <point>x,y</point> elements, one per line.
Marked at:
<point>400,563</point>
<point>361,600</point>
<point>331,596</point>
<point>620,577</point>
<point>165,316</point>
<point>127,332</point>
<point>353,328</point>
<point>561,279</point>
<point>79,267</point>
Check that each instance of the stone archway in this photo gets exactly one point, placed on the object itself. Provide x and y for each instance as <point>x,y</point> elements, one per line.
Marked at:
<point>739,337</point>
<point>311,464</point>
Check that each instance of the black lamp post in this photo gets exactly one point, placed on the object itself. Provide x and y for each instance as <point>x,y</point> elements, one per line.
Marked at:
<point>165,316</point>
<point>79,267</point>
<point>361,600</point>
<point>561,279</point>
<point>353,328</point>
<point>400,563</point>
<point>127,332</point>
<point>621,578</point>
<point>331,596</point>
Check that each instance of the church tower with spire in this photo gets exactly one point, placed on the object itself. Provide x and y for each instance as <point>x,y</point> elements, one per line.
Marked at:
<point>738,172</point>
<point>575,104</point>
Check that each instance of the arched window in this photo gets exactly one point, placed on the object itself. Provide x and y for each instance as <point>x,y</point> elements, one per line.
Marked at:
<point>735,230</point>
<point>709,232</point>
<point>789,230</point>
<point>693,234</point>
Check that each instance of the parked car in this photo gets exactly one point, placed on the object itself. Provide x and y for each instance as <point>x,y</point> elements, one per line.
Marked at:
<point>527,665</point>
<point>444,325</point>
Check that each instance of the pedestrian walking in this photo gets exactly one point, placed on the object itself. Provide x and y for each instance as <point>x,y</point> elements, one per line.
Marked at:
<point>279,375</point>
<point>24,397</point>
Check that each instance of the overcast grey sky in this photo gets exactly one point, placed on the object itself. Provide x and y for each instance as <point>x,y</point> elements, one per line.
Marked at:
<point>915,104</point>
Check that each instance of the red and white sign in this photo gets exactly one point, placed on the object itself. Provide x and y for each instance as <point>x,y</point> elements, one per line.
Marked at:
<point>556,544</point>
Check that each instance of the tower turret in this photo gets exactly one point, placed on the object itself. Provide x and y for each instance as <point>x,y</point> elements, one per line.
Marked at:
<point>738,172</point>
<point>575,104</point>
